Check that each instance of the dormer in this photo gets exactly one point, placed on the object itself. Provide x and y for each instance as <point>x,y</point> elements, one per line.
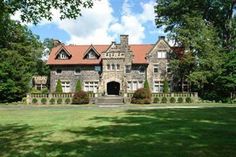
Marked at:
<point>91,53</point>
<point>63,54</point>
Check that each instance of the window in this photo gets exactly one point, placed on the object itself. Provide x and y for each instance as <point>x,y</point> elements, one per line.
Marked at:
<point>134,85</point>
<point>58,71</point>
<point>97,68</point>
<point>142,69</point>
<point>62,55</point>
<point>155,68</point>
<point>128,68</point>
<point>91,55</point>
<point>158,86</point>
<point>91,86</point>
<point>118,66</point>
<point>168,70</point>
<point>162,54</point>
<point>108,67</point>
<point>65,86</point>
<point>77,71</point>
<point>113,67</point>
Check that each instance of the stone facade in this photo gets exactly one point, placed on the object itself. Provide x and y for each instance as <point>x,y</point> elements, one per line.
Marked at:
<point>116,69</point>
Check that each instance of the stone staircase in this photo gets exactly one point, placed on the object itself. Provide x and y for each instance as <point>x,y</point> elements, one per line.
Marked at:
<point>110,100</point>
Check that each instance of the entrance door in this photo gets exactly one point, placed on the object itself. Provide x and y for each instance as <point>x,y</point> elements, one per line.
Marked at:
<point>113,88</point>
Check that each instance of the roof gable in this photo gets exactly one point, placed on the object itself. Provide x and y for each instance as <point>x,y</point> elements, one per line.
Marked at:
<point>91,49</point>
<point>61,50</point>
<point>161,45</point>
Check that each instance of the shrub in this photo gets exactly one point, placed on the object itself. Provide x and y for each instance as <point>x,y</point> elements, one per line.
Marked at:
<point>52,101</point>
<point>67,101</point>
<point>78,86</point>
<point>59,101</point>
<point>141,96</point>
<point>188,100</point>
<point>146,85</point>
<point>44,101</point>
<point>180,100</point>
<point>164,100</point>
<point>59,87</point>
<point>80,98</point>
<point>44,91</point>
<point>165,86</point>
<point>172,100</point>
<point>156,100</point>
<point>34,101</point>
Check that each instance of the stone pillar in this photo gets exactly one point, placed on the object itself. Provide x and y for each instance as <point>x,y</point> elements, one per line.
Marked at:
<point>124,43</point>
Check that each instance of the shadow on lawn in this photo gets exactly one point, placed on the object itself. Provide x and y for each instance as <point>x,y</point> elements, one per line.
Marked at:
<point>140,133</point>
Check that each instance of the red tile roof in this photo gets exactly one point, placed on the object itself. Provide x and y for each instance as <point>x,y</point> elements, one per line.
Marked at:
<point>77,53</point>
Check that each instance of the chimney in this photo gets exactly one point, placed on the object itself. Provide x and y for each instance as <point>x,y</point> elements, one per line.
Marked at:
<point>124,42</point>
<point>162,37</point>
<point>56,42</point>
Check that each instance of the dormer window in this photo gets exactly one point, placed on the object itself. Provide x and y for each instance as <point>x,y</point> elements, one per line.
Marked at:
<point>63,54</point>
<point>91,53</point>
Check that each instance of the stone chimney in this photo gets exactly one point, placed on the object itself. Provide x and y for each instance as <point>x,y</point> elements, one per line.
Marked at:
<point>162,37</point>
<point>124,44</point>
<point>56,42</point>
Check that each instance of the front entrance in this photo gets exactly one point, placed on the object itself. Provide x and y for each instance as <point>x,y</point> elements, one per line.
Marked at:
<point>113,88</point>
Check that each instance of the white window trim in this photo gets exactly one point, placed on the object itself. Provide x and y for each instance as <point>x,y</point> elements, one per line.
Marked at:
<point>132,85</point>
<point>94,82</point>
<point>158,68</point>
<point>160,82</point>
<point>161,54</point>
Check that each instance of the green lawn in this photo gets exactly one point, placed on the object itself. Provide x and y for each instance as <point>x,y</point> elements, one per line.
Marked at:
<point>115,132</point>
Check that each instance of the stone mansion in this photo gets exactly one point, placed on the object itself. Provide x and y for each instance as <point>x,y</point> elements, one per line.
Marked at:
<point>110,69</point>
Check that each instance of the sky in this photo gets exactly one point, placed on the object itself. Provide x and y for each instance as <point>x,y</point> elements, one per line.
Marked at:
<point>103,24</point>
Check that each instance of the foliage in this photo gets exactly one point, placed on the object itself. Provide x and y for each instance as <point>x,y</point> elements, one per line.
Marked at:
<point>81,97</point>
<point>43,100</point>
<point>156,100</point>
<point>59,87</point>
<point>146,85</point>
<point>52,101</point>
<point>59,101</point>
<point>20,50</point>
<point>180,100</point>
<point>37,10</point>
<point>67,101</point>
<point>45,91</point>
<point>164,100</point>
<point>34,101</point>
<point>188,100</point>
<point>172,100</point>
<point>141,96</point>
<point>78,86</point>
<point>206,30</point>
<point>165,86</point>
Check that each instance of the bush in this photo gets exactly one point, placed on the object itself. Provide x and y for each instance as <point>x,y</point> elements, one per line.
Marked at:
<point>34,101</point>
<point>67,101</point>
<point>59,87</point>
<point>146,85</point>
<point>164,100</point>
<point>156,100</point>
<point>80,98</point>
<point>180,100</point>
<point>52,101</point>
<point>59,101</point>
<point>44,91</point>
<point>172,100</point>
<point>44,101</point>
<point>188,100</point>
<point>165,86</point>
<point>141,96</point>
<point>78,86</point>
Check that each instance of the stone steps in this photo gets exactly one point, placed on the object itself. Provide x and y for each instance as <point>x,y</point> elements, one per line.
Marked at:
<point>110,100</point>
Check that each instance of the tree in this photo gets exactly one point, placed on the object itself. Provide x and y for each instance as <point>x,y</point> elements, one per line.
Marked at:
<point>146,85</point>
<point>165,86</point>
<point>78,86</point>
<point>59,87</point>
<point>20,51</point>
<point>36,10</point>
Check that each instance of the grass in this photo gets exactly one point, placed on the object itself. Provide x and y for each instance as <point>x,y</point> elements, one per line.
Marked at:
<point>115,132</point>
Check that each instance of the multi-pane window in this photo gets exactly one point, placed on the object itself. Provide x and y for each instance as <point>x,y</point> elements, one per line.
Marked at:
<point>155,68</point>
<point>113,67</point>
<point>168,70</point>
<point>62,55</point>
<point>65,86</point>
<point>158,86</point>
<point>91,86</point>
<point>162,54</point>
<point>134,85</point>
<point>108,67</point>
<point>118,66</point>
